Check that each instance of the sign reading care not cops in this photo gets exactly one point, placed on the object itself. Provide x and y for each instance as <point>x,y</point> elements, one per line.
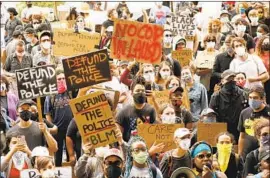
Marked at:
<point>94,119</point>
<point>134,40</point>
<point>87,69</point>
<point>36,82</point>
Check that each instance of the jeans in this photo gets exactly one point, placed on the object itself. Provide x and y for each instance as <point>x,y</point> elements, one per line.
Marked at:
<point>60,139</point>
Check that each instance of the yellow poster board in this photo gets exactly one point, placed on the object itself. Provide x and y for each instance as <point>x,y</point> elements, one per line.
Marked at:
<point>205,61</point>
<point>94,119</point>
<point>183,56</point>
<point>209,131</point>
<point>160,98</point>
<point>68,43</point>
<point>159,133</point>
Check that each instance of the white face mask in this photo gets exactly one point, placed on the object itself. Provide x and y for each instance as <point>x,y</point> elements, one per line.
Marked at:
<point>28,40</point>
<point>35,26</point>
<point>46,45</point>
<point>48,174</point>
<point>185,143</point>
<point>254,20</point>
<point>165,74</point>
<point>259,34</point>
<point>224,19</point>
<point>168,119</point>
<point>211,45</point>
<point>3,87</point>
<point>150,77</point>
<point>241,28</point>
<point>240,51</point>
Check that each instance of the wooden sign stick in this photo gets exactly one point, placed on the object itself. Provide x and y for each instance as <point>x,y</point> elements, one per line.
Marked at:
<point>39,110</point>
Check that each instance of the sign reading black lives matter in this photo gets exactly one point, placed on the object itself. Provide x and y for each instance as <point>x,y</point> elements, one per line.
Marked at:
<point>183,25</point>
<point>36,82</point>
<point>87,69</point>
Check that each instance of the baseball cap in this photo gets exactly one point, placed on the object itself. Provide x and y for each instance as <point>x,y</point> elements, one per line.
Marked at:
<point>40,151</point>
<point>227,73</point>
<point>181,132</point>
<point>224,12</point>
<point>121,63</point>
<point>45,33</point>
<point>176,89</point>
<point>208,111</point>
<point>264,154</point>
<point>16,33</point>
<point>30,30</point>
<point>113,152</point>
<point>23,102</point>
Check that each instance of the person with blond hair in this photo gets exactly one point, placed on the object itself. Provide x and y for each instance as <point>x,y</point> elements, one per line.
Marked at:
<point>214,28</point>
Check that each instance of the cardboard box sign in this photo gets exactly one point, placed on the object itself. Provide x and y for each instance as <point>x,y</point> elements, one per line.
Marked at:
<point>183,56</point>
<point>205,61</point>
<point>87,69</point>
<point>134,40</point>
<point>209,131</point>
<point>69,43</point>
<point>160,98</point>
<point>94,119</point>
<point>60,172</point>
<point>183,25</point>
<point>36,82</point>
<point>159,133</point>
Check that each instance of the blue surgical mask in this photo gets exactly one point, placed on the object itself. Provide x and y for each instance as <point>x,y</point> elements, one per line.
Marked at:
<point>209,120</point>
<point>255,104</point>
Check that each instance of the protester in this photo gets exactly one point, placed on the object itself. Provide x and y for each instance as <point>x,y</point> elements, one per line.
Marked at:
<point>80,25</point>
<point>229,162</point>
<point>208,116</point>
<point>241,79</point>
<point>31,39</point>
<point>112,14</point>
<point>159,13</point>
<point>18,157</point>
<point>167,115</point>
<point>27,12</point>
<point>229,102</point>
<point>164,72</point>
<point>215,29</point>
<point>226,26</point>
<point>253,17</point>
<point>251,65</point>
<point>73,14</point>
<point>179,157</point>
<point>11,46</point>
<point>261,131</point>
<point>45,164</point>
<point>248,116</point>
<point>202,158</point>
<point>11,23</point>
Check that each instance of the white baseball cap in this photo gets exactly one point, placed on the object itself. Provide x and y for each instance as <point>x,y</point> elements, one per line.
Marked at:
<point>181,132</point>
<point>40,151</point>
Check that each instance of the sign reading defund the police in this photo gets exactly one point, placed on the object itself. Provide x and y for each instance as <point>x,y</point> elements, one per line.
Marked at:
<point>87,69</point>
<point>36,82</point>
<point>94,119</point>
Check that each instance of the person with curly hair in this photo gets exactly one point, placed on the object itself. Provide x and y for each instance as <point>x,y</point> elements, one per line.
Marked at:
<point>214,28</point>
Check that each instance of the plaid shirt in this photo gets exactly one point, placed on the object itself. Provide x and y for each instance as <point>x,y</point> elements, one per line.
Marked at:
<point>12,62</point>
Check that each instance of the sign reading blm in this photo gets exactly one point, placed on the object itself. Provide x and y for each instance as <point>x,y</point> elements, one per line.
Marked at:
<point>94,119</point>
<point>87,69</point>
<point>36,82</point>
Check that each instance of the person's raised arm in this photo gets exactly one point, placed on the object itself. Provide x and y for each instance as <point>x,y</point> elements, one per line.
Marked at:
<point>52,144</point>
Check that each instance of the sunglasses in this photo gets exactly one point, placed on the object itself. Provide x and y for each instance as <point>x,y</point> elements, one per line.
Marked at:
<point>264,134</point>
<point>61,78</point>
<point>168,35</point>
<point>202,156</point>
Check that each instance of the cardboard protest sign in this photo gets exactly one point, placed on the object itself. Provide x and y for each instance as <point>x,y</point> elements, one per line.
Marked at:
<point>134,40</point>
<point>160,98</point>
<point>69,43</point>
<point>205,61</point>
<point>159,133</point>
<point>87,69</point>
<point>208,131</point>
<point>112,94</point>
<point>60,172</point>
<point>183,56</point>
<point>36,82</point>
<point>183,25</point>
<point>94,119</point>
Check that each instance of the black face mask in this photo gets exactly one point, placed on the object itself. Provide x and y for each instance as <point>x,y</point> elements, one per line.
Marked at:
<point>266,47</point>
<point>139,98</point>
<point>113,171</point>
<point>25,115</point>
<point>230,86</point>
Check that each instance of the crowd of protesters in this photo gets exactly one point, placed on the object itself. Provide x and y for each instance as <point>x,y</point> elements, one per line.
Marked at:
<point>236,91</point>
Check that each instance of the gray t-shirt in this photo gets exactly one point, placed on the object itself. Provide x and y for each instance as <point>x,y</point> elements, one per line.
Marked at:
<point>33,135</point>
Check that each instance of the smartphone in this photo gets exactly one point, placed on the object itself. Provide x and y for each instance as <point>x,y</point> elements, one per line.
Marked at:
<point>21,140</point>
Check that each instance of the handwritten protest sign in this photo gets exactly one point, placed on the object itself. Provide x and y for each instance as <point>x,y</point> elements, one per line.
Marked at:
<point>183,25</point>
<point>183,56</point>
<point>87,69</point>
<point>205,61</point>
<point>160,98</point>
<point>159,133</point>
<point>69,43</point>
<point>142,41</point>
<point>209,131</point>
<point>60,172</point>
<point>36,82</point>
<point>94,119</point>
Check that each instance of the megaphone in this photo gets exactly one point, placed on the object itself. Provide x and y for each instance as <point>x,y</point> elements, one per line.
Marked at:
<point>183,172</point>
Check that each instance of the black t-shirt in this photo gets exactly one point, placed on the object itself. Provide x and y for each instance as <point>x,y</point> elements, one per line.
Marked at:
<point>184,115</point>
<point>107,23</point>
<point>129,117</point>
<point>174,163</point>
<point>4,103</point>
<point>75,135</point>
<point>251,163</point>
<point>246,121</point>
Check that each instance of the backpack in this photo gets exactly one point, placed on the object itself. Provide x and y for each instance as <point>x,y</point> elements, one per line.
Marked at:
<point>154,170</point>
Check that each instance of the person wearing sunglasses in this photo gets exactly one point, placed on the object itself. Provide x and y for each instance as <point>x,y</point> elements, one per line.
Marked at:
<point>201,154</point>
<point>254,162</point>
<point>80,25</point>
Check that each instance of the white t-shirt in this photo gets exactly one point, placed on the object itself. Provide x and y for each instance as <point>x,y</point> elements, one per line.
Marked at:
<point>143,173</point>
<point>252,67</point>
<point>27,12</point>
<point>160,14</point>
